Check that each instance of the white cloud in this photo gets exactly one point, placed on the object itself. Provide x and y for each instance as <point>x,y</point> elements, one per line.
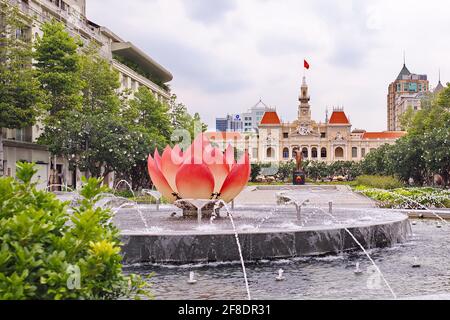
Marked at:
<point>226,54</point>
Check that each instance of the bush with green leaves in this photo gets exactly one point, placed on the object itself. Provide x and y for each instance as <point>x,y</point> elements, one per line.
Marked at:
<point>381,182</point>
<point>408,198</point>
<point>49,252</point>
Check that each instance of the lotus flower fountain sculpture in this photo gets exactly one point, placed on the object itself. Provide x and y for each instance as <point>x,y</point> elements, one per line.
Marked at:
<point>201,172</point>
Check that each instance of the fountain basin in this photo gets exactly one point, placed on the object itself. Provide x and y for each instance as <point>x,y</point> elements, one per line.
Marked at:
<point>177,240</point>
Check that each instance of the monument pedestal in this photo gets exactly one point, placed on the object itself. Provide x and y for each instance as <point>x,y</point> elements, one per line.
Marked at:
<point>299,178</point>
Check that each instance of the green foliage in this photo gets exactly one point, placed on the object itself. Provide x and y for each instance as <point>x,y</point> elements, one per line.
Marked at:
<point>285,171</point>
<point>424,151</point>
<point>58,67</point>
<point>381,182</point>
<point>255,171</point>
<point>47,253</point>
<point>182,120</point>
<point>408,198</point>
<point>20,95</point>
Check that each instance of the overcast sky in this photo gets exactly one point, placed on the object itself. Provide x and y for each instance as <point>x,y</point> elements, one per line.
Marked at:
<point>227,54</point>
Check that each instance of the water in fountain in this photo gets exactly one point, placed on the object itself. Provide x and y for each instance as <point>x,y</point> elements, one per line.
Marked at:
<point>365,252</point>
<point>155,195</point>
<point>230,216</point>
<point>135,203</point>
<point>354,239</point>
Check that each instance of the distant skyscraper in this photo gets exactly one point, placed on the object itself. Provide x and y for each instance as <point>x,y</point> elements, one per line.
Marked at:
<point>407,86</point>
<point>244,122</point>
<point>231,123</point>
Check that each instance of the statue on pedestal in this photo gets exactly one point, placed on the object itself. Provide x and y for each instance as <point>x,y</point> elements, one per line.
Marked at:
<point>299,177</point>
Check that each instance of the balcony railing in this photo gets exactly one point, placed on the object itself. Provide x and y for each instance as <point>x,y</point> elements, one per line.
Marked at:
<point>74,20</point>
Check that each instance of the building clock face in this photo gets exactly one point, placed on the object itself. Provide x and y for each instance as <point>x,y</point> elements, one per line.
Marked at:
<point>303,130</point>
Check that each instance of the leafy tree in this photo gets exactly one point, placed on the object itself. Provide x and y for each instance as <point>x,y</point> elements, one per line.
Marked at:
<point>255,171</point>
<point>375,162</point>
<point>405,159</point>
<point>148,121</point>
<point>286,170</point>
<point>181,119</point>
<point>58,67</point>
<point>92,136</point>
<point>20,95</point>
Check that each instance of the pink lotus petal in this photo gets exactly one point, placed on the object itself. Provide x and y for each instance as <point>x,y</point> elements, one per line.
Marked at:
<point>236,180</point>
<point>194,154</point>
<point>159,181</point>
<point>170,163</point>
<point>157,158</point>
<point>229,156</point>
<point>194,181</point>
<point>215,161</point>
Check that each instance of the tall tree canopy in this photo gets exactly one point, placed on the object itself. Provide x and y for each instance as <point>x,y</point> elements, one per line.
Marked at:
<point>20,94</point>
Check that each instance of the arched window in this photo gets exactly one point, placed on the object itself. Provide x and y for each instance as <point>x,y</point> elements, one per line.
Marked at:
<point>270,153</point>
<point>285,153</point>
<point>294,153</point>
<point>305,153</point>
<point>339,152</point>
<point>314,153</point>
<point>323,153</point>
<point>354,152</point>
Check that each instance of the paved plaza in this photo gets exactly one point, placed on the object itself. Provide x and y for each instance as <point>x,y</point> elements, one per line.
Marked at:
<point>341,195</point>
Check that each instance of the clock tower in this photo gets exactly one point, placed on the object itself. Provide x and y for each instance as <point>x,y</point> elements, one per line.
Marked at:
<point>304,109</point>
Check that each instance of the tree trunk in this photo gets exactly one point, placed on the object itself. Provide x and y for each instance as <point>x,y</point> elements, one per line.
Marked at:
<point>2,170</point>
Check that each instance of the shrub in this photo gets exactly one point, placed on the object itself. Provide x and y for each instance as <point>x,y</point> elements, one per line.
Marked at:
<point>47,253</point>
<point>255,171</point>
<point>408,198</point>
<point>380,182</point>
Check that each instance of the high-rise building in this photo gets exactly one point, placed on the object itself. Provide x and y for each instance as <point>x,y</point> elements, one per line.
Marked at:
<point>135,68</point>
<point>244,122</point>
<point>231,123</point>
<point>409,85</point>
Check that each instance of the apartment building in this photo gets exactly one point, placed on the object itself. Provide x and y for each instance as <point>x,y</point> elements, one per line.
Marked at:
<point>136,68</point>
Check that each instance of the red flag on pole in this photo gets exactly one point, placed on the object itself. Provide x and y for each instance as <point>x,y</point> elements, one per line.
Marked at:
<point>306,64</point>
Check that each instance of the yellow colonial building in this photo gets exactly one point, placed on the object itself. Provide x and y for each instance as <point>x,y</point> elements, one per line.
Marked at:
<point>329,141</point>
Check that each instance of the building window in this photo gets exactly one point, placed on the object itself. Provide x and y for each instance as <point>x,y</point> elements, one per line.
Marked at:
<point>339,152</point>
<point>354,152</point>
<point>399,87</point>
<point>285,153</point>
<point>323,153</point>
<point>270,153</point>
<point>363,152</point>
<point>323,135</point>
<point>285,135</point>
<point>314,153</point>
<point>305,153</point>
<point>294,153</point>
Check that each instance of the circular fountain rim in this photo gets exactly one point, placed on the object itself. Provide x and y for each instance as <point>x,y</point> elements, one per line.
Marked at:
<point>397,218</point>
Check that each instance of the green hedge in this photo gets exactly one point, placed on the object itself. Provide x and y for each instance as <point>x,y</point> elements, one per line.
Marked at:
<point>48,253</point>
<point>381,182</point>
<point>408,198</point>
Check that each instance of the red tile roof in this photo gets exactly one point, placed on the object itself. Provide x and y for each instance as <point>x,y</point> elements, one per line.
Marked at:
<point>339,117</point>
<point>270,117</point>
<point>384,135</point>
